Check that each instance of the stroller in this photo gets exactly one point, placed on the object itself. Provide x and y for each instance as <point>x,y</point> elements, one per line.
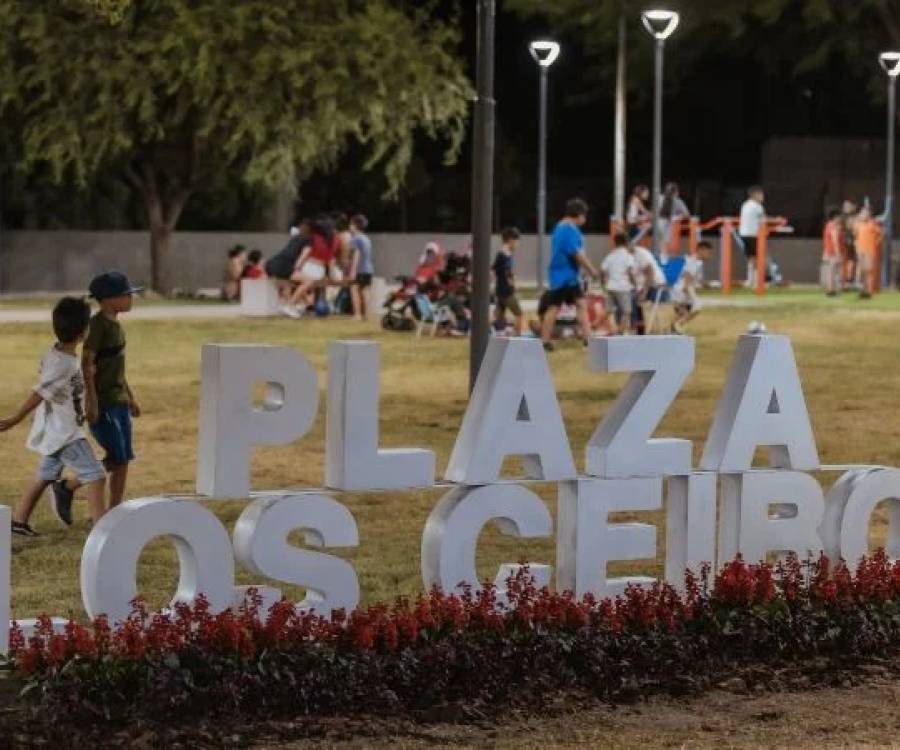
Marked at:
<point>406,306</point>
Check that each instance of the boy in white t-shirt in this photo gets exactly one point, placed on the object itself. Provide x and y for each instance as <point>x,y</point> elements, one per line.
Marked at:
<point>684,293</point>
<point>617,273</point>
<point>61,406</point>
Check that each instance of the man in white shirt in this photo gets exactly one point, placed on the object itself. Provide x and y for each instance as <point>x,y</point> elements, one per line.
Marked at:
<point>753,214</point>
<point>617,273</point>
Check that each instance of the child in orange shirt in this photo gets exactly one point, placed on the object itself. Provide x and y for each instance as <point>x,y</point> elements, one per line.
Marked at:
<point>867,235</point>
<point>832,253</point>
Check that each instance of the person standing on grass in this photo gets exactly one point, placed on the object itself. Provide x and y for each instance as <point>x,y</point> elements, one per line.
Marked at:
<point>505,283</point>
<point>362,268</point>
<point>567,259</point>
<point>832,253</point>
<point>867,237</point>
<point>61,406</point>
<point>104,358</point>
<point>753,215</point>
<point>618,273</point>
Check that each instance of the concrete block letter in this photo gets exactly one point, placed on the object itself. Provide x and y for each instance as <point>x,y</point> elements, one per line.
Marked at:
<point>513,412</point>
<point>230,424</point>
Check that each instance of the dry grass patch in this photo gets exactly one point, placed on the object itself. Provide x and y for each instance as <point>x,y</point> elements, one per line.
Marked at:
<point>847,361</point>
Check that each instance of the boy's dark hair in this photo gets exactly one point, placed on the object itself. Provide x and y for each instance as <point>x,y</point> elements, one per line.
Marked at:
<point>754,189</point>
<point>359,222</point>
<point>509,234</point>
<point>341,222</point>
<point>705,243</point>
<point>255,256</point>
<point>71,317</point>
<point>620,240</point>
<point>576,207</point>
<point>236,250</point>
<point>833,212</point>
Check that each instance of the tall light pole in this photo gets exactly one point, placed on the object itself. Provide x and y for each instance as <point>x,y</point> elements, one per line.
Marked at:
<point>890,62</point>
<point>661,24</point>
<point>482,188</point>
<point>544,53</point>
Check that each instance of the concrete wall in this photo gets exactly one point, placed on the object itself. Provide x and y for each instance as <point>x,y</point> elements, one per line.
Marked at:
<point>33,261</point>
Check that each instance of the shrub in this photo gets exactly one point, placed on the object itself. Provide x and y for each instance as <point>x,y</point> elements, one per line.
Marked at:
<point>461,649</point>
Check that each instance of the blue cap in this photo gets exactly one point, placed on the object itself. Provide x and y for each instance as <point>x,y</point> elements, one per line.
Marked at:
<point>112,284</point>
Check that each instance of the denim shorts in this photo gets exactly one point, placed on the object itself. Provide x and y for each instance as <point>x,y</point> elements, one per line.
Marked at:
<point>77,456</point>
<point>113,431</point>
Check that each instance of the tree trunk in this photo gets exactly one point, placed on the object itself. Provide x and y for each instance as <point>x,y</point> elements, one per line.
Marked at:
<point>160,276</point>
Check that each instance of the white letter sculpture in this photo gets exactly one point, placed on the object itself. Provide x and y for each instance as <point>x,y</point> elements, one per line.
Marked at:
<point>587,542</point>
<point>845,530</point>
<point>690,525</point>
<point>451,534</point>
<point>230,425</point>
<point>622,446</point>
<point>352,458</point>
<point>110,557</point>
<point>748,525</point>
<point>513,412</point>
<point>762,404</point>
<point>261,545</point>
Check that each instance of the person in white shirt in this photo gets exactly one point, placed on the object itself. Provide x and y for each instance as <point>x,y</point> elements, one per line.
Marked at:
<point>753,214</point>
<point>651,282</point>
<point>684,293</point>
<point>617,273</point>
<point>62,406</point>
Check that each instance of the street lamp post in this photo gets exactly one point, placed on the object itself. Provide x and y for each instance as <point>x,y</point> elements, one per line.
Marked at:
<point>482,187</point>
<point>544,53</point>
<point>890,62</point>
<point>661,24</point>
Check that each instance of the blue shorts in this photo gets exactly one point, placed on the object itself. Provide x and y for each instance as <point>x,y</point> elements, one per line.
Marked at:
<point>77,456</point>
<point>113,431</point>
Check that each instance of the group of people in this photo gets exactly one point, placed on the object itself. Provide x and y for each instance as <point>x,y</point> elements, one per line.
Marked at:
<point>851,240</point>
<point>328,252</point>
<point>630,276</point>
<point>639,215</point>
<point>77,393</point>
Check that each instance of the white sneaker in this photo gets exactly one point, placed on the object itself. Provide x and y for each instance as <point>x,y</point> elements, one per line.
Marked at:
<point>290,311</point>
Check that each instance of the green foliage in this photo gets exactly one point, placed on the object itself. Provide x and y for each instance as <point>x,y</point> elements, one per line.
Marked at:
<point>178,92</point>
<point>278,88</point>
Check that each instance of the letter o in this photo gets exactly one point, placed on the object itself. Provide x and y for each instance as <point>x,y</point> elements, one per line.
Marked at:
<point>851,502</point>
<point>111,553</point>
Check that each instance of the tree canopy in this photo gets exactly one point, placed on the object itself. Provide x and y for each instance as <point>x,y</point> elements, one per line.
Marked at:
<point>178,91</point>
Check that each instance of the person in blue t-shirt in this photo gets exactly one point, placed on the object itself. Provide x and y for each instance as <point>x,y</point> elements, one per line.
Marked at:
<point>566,262</point>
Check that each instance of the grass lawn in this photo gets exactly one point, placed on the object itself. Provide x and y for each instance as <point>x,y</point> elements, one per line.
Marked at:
<point>847,355</point>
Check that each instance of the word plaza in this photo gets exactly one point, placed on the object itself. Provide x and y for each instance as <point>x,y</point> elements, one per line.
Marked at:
<point>713,512</point>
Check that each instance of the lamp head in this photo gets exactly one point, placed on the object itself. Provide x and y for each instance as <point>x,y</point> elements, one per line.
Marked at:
<point>544,52</point>
<point>660,23</point>
<point>890,62</point>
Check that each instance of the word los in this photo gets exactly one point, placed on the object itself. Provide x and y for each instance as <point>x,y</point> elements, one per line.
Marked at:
<point>513,412</point>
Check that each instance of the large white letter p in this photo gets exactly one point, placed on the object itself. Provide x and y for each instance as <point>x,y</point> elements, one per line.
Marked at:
<point>231,425</point>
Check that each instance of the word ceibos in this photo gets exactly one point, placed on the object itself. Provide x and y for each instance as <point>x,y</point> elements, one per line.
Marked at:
<point>714,512</point>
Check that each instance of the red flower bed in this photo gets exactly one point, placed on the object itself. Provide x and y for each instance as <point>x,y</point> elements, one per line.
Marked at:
<point>467,649</point>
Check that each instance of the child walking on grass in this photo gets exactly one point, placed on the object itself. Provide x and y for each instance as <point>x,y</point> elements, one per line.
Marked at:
<point>61,406</point>
<point>104,355</point>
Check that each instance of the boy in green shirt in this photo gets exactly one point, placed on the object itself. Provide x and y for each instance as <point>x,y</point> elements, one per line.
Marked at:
<point>104,355</point>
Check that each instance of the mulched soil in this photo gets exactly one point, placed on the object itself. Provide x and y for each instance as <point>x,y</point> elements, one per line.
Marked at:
<point>21,725</point>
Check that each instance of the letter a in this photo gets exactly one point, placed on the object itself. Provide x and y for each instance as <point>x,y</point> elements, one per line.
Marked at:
<point>513,412</point>
<point>762,404</point>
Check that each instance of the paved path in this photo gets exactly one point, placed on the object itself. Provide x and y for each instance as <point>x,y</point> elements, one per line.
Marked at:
<point>154,312</point>
<point>214,311</point>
